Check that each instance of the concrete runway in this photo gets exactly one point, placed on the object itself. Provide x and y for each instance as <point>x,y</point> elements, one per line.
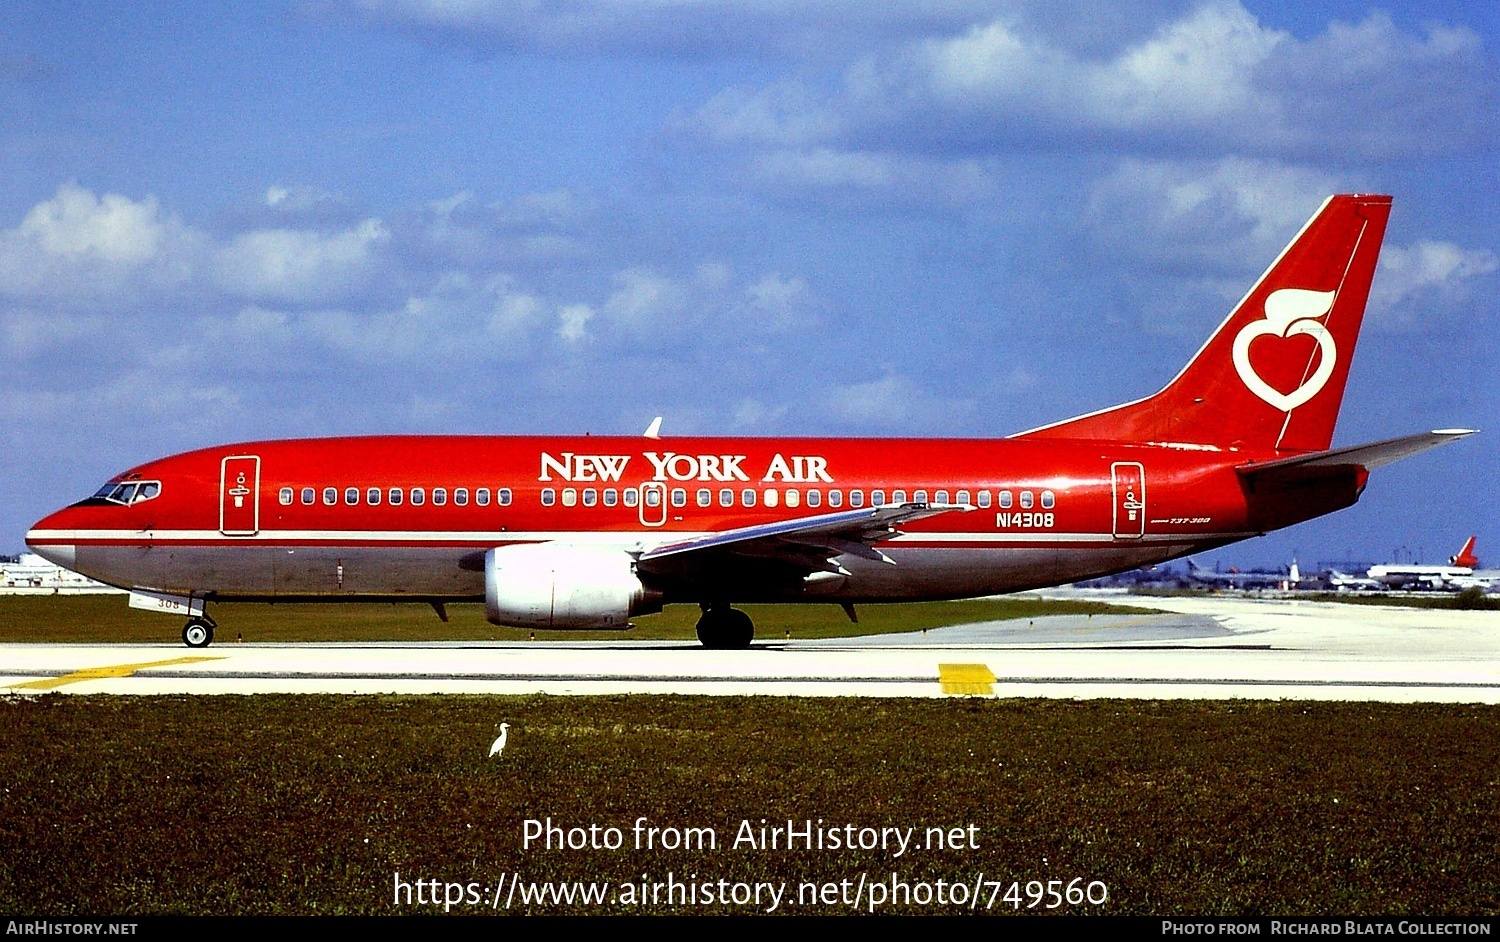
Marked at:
<point>1201,648</point>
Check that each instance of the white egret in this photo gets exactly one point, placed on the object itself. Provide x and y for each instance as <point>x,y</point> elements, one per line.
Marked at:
<point>498,746</point>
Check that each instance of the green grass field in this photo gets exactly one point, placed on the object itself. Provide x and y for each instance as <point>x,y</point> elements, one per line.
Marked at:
<point>310,804</point>
<point>95,618</point>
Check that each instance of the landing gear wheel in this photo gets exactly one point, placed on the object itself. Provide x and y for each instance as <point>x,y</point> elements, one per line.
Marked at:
<point>740,629</point>
<point>722,628</point>
<point>198,633</point>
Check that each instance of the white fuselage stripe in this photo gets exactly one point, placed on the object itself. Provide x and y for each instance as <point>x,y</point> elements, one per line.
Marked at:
<point>636,538</point>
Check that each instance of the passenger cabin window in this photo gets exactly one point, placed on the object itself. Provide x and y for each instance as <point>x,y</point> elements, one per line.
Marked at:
<point>792,497</point>
<point>372,495</point>
<point>482,497</point>
<point>919,497</point>
<point>1049,500</point>
<point>653,497</point>
<point>941,497</point>
<point>611,497</point>
<point>330,496</point>
<point>726,497</point>
<point>351,495</point>
<point>1005,500</point>
<point>814,499</point>
<point>570,497</point>
<point>503,496</point>
<point>771,498</point>
<point>984,498</point>
<point>632,497</point>
<point>962,497</point>
<point>394,495</point>
<point>856,498</point>
<point>1025,500</point>
<point>590,497</point>
<point>898,496</point>
<point>705,497</point>
<point>309,494</point>
<point>461,496</point>
<point>549,497</point>
<point>679,497</point>
<point>877,498</point>
<point>835,498</point>
<point>747,497</point>
<point>439,496</point>
<point>286,496</point>
<point>418,497</point>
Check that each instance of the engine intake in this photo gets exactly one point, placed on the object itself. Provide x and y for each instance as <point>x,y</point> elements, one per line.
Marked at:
<point>563,586</point>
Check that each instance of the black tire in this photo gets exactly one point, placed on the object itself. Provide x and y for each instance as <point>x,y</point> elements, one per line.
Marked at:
<point>198,633</point>
<point>739,630</point>
<point>723,629</point>
<point>711,630</point>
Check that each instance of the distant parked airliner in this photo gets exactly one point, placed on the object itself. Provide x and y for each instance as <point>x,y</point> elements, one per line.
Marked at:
<point>586,532</point>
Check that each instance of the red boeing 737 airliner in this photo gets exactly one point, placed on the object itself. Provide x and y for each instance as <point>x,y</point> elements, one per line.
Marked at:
<point>584,532</point>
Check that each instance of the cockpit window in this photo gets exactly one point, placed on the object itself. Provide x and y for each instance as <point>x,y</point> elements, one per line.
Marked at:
<point>128,492</point>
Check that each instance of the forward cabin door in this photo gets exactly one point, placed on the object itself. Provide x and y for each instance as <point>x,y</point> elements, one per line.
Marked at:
<point>239,495</point>
<point>1130,499</point>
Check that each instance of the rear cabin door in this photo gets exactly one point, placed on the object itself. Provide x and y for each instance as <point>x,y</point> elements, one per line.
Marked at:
<point>239,495</point>
<point>1130,499</point>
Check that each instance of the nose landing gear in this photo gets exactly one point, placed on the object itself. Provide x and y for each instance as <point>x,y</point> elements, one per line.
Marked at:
<point>723,628</point>
<point>199,631</point>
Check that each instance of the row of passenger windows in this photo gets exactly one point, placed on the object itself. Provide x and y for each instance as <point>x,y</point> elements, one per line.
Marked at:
<point>748,497</point>
<point>397,495</point>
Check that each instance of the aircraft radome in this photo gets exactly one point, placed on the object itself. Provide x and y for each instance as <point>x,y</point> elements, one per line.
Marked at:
<point>573,532</point>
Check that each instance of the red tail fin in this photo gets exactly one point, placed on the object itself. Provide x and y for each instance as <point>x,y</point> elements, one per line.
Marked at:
<point>1272,376</point>
<point>1465,556</point>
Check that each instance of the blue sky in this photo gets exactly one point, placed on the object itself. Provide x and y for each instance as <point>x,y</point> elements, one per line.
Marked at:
<point>237,221</point>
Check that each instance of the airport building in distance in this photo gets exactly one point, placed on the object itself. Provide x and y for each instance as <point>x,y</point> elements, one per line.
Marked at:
<point>30,574</point>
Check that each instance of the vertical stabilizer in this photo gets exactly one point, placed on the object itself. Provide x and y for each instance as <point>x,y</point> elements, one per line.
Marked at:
<point>1272,376</point>
<point>1466,556</point>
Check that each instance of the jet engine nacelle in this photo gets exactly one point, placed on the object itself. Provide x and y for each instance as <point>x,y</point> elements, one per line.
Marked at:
<point>558,585</point>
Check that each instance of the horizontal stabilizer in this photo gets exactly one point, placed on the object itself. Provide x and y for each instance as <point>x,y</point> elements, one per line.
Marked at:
<point>1369,457</point>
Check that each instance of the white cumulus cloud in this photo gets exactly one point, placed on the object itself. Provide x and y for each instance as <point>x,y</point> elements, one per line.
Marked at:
<point>1215,79</point>
<point>573,322</point>
<point>1416,283</point>
<point>858,178</point>
<point>300,265</point>
<point>893,401</point>
<point>1232,214</point>
<point>81,244</point>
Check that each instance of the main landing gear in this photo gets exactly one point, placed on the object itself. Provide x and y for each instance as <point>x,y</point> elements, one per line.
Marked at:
<point>199,631</point>
<point>722,627</point>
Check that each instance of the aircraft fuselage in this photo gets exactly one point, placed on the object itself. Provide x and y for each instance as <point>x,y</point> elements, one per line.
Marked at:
<point>411,517</point>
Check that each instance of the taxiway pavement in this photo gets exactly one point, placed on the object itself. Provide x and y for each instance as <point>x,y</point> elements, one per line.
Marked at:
<point>1197,648</point>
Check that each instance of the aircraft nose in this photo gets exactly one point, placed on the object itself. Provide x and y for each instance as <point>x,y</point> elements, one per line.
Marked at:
<point>48,540</point>
<point>61,554</point>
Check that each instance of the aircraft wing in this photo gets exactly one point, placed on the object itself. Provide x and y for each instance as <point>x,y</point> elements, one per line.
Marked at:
<point>822,535</point>
<point>1369,457</point>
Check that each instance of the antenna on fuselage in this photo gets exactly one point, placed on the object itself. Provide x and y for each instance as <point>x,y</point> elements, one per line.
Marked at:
<point>654,429</point>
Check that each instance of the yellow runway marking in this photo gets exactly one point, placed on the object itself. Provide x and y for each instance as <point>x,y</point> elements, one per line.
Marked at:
<point>104,673</point>
<point>966,679</point>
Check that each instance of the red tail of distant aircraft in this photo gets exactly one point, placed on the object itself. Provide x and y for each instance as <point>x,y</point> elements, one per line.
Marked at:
<point>585,532</point>
<point>1465,556</point>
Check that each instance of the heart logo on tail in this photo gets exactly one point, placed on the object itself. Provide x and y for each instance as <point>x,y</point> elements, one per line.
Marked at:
<point>1289,312</point>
